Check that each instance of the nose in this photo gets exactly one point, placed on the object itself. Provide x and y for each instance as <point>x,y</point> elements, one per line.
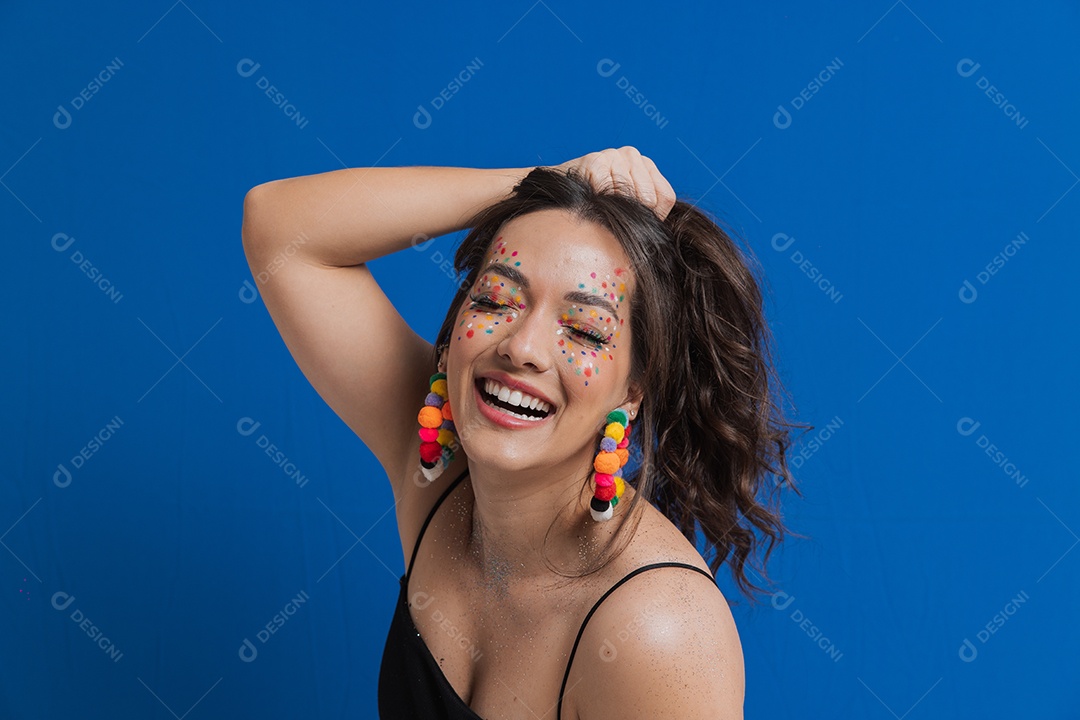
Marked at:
<point>528,341</point>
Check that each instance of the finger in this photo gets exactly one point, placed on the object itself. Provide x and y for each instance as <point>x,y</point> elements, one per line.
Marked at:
<point>645,189</point>
<point>665,194</point>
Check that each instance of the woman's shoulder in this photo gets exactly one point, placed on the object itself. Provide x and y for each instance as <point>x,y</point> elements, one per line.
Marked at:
<point>667,627</point>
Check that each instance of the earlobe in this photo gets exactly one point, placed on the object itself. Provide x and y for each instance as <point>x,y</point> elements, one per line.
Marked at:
<point>633,401</point>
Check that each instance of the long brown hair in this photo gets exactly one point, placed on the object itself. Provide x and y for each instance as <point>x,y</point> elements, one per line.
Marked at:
<point>710,440</point>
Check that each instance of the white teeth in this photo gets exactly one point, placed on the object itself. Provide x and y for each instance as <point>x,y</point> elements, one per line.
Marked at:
<point>516,397</point>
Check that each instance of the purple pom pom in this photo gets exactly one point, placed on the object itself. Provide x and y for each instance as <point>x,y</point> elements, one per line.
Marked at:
<point>608,444</point>
<point>433,400</point>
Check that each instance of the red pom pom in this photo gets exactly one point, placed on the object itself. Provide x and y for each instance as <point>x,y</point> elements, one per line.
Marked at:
<point>430,451</point>
<point>429,434</point>
<point>604,492</point>
<point>624,442</point>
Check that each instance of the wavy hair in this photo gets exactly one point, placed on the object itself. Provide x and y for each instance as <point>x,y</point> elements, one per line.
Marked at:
<point>710,439</point>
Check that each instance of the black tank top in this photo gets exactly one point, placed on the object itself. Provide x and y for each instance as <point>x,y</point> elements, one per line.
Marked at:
<point>411,682</point>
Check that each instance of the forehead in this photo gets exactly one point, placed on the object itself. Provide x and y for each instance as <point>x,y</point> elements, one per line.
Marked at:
<point>553,245</point>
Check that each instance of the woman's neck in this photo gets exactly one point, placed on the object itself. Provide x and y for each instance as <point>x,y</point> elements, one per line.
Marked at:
<point>512,515</point>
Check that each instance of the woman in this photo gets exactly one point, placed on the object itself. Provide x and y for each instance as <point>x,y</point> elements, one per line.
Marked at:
<point>602,325</point>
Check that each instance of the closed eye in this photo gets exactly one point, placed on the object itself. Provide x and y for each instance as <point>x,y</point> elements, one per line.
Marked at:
<point>488,302</point>
<point>591,335</point>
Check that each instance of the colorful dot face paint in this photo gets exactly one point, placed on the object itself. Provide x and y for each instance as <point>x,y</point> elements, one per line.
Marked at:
<point>587,331</point>
<point>495,299</point>
<point>590,328</point>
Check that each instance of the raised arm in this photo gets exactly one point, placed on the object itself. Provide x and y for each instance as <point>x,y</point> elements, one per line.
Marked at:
<point>307,240</point>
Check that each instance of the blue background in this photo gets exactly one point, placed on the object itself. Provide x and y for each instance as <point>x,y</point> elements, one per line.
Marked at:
<point>899,180</point>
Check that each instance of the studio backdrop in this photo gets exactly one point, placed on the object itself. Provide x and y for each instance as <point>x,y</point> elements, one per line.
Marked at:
<point>189,531</point>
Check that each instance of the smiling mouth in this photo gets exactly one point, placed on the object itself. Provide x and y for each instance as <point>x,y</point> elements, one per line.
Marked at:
<point>523,411</point>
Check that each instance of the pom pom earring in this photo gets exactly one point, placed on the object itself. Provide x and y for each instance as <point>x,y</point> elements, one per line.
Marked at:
<point>437,438</point>
<point>614,452</point>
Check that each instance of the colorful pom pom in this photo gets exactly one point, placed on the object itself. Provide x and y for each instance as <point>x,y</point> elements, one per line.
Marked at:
<point>604,492</point>
<point>600,510</point>
<point>433,400</point>
<point>429,434</point>
<point>430,417</point>
<point>623,455</point>
<point>603,479</point>
<point>615,431</point>
<point>620,486</point>
<point>608,444</point>
<point>430,451</point>
<point>439,386</point>
<point>447,415</point>
<point>446,438</point>
<point>606,463</point>
<point>618,415</point>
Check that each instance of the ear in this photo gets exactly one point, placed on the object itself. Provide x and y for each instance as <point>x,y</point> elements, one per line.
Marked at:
<point>632,403</point>
<point>441,363</point>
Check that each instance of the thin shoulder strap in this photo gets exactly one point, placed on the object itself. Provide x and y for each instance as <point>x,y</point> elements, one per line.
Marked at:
<point>581,631</point>
<point>416,547</point>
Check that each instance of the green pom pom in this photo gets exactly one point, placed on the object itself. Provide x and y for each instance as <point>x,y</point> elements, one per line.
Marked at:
<point>614,501</point>
<point>619,416</point>
<point>437,376</point>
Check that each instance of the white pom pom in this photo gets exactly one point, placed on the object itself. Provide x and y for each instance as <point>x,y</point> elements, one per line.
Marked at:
<point>432,473</point>
<point>602,516</point>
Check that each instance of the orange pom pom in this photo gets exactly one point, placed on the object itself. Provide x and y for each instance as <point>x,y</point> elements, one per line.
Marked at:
<point>430,417</point>
<point>623,454</point>
<point>446,411</point>
<point>606,463</point>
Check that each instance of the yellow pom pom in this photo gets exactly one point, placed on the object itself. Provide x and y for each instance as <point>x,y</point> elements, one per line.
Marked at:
<point>439,387</point>
<point>620,485</point>
<point>615,431</point>
<point>606,463</point>
<point>430,417</point>
<point>445,437</point>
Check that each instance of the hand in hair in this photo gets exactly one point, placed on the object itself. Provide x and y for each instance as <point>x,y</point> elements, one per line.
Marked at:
<point>626,169</point>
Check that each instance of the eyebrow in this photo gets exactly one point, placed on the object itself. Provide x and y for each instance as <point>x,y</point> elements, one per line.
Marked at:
<point>577,296</point>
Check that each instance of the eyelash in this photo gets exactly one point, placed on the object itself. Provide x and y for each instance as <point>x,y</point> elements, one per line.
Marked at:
<point>590,335</point>
<point>488,302</point>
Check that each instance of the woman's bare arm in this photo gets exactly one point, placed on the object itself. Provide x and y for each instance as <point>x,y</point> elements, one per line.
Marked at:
<point>307,240</point>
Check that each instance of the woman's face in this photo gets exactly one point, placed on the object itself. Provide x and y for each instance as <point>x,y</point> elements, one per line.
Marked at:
<point>547,326</point>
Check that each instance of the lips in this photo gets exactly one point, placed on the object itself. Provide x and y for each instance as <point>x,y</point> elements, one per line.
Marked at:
<point>510,402</point>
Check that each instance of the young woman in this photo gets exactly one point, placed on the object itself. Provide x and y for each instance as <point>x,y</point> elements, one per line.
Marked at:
<point>600,390</point>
